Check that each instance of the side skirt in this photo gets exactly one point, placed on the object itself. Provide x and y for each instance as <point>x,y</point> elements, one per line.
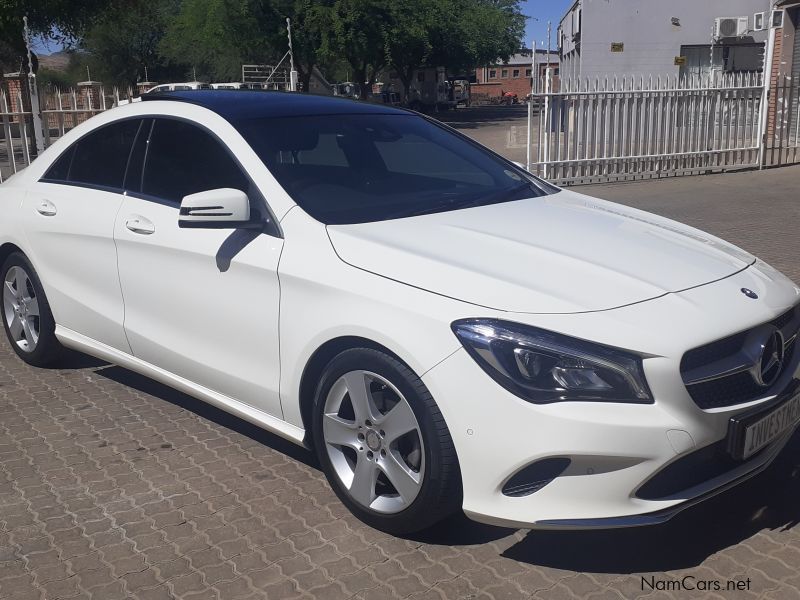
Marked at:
<point>81,343</point>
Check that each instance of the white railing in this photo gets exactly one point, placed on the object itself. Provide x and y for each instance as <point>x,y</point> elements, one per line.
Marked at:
<point>60,112</point>
<point>630,128</point>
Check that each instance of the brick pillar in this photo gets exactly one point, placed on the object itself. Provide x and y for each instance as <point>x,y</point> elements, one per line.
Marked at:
<point>776,76</point>
<point>16,84</point>
<point>143,86</point>
<point>89,91</point>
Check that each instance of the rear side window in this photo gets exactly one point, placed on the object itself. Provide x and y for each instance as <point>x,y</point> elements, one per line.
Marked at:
<point>102,156</point>
<point>59,171</point>
<point>183,159</point>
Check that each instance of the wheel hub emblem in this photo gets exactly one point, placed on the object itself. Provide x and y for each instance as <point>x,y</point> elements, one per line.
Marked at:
<point>373,440</point>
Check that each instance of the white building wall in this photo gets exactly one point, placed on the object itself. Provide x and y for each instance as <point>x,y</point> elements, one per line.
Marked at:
<point>645,27</point>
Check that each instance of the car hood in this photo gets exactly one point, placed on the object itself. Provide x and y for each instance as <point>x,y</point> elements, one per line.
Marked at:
<point>561,253</point>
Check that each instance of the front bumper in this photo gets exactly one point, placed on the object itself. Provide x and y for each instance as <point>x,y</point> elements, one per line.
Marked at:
<point>614,449</point>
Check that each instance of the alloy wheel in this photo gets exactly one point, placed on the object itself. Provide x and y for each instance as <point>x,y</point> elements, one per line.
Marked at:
<point>373,441</point>
<point>21,309</point>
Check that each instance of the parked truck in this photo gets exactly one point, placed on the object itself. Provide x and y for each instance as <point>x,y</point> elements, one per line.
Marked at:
<point>429,89</point>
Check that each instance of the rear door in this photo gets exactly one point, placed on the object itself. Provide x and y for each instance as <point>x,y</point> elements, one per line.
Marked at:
<point>68,218</point>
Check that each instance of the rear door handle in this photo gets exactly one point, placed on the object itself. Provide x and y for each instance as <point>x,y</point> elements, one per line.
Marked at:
<point>46,208</point>
<point>140,225</point>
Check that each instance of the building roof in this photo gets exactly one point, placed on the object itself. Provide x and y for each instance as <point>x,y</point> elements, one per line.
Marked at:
<point>524,58</point>
<point>236,104</point>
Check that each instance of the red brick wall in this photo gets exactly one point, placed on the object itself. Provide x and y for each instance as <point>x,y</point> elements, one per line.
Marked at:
<point>775,72</point>
<point>14,86</point>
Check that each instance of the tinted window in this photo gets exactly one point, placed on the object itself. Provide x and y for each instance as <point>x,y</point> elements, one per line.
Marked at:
<point>102,156</point>
<point>183,159</point>
<point>59,171</point>
<point>359,168</point>
<point>133,176</point>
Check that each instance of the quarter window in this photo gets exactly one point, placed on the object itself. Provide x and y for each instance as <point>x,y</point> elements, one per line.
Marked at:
<point>183,159</point>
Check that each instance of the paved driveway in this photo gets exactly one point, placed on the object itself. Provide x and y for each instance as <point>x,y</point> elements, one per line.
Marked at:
<point>112,486</point>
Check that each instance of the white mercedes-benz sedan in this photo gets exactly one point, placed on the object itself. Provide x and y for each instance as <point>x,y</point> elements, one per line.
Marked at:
<point>445,330</point>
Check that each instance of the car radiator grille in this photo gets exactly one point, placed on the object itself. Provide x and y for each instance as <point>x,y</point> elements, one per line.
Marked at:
<point>737,387</point>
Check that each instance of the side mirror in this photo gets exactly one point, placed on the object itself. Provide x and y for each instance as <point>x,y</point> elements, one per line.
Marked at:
<point>223,208</point>
<point>520,165</point>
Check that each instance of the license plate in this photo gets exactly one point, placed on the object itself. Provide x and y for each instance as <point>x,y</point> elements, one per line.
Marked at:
<point>760,431</point>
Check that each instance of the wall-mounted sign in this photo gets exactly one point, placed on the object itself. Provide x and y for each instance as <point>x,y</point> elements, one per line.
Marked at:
<point>680,61</point>
<point>617,47</point>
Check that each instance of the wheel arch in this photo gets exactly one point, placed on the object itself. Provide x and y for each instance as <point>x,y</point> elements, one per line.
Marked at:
<point>316,365</point>
<point>8,249</point>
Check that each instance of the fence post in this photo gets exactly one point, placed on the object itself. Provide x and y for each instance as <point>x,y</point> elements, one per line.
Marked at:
<point>548,117</point>
<point>33,92</point>
<point>763,115</point>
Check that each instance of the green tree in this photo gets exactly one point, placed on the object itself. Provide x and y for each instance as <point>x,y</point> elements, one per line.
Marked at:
<point>214,37</point>
<point>358,35</point>
<point>54,19</point>
<point>312,22</point>
<point>125,41</point>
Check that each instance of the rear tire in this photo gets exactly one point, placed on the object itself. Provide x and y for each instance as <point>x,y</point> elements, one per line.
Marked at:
<point>27,319</point>
<point>383,443</point>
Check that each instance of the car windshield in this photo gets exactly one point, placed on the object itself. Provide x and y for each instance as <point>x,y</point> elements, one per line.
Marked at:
<point>359,168</point>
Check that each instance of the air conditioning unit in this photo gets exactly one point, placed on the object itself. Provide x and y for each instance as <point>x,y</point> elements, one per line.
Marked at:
<point>760,21</point>
<point>730,27</point>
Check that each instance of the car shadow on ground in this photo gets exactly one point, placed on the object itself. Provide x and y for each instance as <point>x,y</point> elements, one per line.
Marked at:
<point>770,500</point>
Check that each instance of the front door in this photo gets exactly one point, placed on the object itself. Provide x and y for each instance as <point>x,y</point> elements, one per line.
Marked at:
<point>199,303</point>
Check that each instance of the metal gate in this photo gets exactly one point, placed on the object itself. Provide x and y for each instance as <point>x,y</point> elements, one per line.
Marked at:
<point>632,128</point>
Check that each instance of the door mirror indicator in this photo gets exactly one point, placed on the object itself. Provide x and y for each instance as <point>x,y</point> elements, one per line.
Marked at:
<point>223,208</point>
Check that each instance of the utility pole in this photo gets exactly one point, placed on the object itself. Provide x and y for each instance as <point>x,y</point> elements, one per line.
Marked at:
<point>292,72</point>
<point>33,91</point>
<point>530,106</point>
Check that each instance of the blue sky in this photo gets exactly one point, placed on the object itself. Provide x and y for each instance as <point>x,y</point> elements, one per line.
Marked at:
<point>543,10</point>
<point>540,9</point>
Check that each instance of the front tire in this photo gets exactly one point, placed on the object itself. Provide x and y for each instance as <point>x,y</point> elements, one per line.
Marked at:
<point>27,319</point>
<point>383,444</point>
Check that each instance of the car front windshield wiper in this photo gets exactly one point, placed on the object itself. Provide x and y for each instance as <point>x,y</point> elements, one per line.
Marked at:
<point>449,205</point>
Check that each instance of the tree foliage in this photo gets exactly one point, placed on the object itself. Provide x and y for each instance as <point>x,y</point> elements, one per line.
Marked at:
<point>59,19</point>
<point>213,38</point>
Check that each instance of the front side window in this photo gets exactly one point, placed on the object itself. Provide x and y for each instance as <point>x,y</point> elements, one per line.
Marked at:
<point>361,168</point>
<point>99,158</point>
<point>183,159</point>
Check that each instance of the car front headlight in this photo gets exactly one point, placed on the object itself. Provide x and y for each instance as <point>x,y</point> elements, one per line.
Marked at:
<point>542,366</point>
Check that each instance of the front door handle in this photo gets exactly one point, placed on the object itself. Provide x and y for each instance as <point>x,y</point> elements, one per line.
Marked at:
<point>138,224</point>
<point>46,208</point>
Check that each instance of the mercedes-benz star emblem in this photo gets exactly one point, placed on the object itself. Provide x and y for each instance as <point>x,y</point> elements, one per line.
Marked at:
<point>749,293</point>
<point>770,364</point>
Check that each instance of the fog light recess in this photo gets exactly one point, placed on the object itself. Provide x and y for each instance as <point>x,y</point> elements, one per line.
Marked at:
<point>530,479</point>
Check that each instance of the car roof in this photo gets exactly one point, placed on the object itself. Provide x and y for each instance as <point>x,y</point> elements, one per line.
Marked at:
<point>236,105</point>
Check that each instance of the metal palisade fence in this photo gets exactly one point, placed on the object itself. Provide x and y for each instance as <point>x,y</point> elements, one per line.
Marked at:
<point>634,128</point>
<point>60,111</point>
<point>582,131</point>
